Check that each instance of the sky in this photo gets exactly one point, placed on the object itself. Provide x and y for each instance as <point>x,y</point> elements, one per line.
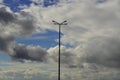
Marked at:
<point>90,43</point>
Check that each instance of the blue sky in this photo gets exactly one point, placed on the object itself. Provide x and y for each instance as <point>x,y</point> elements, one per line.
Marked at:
<point>14,4</point>
<point>4,57</point>
<point>45,40</point>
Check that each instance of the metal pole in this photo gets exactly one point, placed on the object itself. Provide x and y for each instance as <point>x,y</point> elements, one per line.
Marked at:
<point>59,52</point>
<point>56,23</point>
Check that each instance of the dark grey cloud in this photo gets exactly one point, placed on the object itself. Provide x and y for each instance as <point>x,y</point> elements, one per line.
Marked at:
<point>22,22</point>
<point>104,51</point>
<point>5,42</point>
<point>34,53</point>
<point>13,25</point>
<point>6,17</point>
<point>27,22</point>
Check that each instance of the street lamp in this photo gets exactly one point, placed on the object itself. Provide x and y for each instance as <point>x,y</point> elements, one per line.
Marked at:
<point>59,24</point>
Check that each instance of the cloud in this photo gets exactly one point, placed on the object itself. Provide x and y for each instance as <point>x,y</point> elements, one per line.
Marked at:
<point>91,29</point>
<point>89,21</point>
<point>36,71</point>
<point>34,53</point>
<point>68,57</point>
<point>1,1</point>
<point>86,19</point>
<point>5,17</point>
<point>37,1</point>
<point>104,50</point>
<point>14,25</point>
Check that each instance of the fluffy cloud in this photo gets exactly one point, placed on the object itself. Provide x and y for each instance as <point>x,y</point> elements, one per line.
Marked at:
<point>36,71</point>
<point>92,30</point>
<point>13,25</point>
<point>92,24</point>
<point>86,19</point>
<point>104,51</point>
<point>35,53</point>
<point>68,57</point>
<point>1,1</point>
<point>37,1</point>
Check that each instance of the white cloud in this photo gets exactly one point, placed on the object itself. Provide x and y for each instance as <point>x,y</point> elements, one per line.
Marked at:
<point>68,57</point>
<point>36,71</point>
<point>89,23</point>
<point>12,26</point>
<point>37,1</point>
<point>1,1</point>
<point>87,20</point>
<point>93,30</point>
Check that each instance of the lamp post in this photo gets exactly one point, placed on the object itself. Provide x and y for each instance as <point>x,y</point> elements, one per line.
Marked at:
<point>59,24</point>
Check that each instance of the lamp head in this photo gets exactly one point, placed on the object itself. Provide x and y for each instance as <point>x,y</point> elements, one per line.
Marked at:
<point>64,23</point>
<point>55,23</point>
